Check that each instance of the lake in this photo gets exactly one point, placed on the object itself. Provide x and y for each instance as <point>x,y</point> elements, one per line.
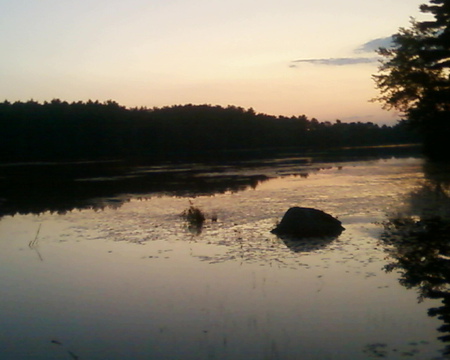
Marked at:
<point>100,264</point>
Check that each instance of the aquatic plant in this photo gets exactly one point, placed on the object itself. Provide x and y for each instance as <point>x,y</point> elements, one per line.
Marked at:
<point>33,244</point>
<point>195,218</point>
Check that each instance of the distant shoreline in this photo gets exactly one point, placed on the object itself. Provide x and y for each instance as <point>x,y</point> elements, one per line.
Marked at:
<point>59,131</point>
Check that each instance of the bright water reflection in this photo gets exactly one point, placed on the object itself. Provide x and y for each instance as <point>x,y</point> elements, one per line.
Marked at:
<point>133,283</point>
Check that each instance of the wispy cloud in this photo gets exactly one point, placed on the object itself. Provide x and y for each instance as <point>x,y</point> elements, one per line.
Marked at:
<point>336,61</point>
<point>375,44</point>
<point>366,48</point>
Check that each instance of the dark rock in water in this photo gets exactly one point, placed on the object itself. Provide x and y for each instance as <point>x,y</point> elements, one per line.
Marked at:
<point>300,222</point>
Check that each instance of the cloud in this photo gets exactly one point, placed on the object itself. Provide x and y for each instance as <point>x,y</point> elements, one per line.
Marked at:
<point>368,47</point>
<point>375,44</point>
<point>337,61</point>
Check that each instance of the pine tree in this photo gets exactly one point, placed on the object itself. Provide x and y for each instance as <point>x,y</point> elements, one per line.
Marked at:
<point>414,77</point>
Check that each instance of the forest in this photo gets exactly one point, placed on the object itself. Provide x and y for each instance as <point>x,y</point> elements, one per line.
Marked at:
<point>58,130</point>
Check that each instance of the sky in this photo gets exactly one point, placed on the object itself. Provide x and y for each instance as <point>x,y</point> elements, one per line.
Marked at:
<point>279,57</point>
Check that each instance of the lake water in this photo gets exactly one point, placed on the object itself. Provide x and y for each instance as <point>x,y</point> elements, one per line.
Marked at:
<point>123,276</point>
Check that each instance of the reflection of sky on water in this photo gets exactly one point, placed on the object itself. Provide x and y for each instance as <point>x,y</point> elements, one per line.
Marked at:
<point>133,283</point>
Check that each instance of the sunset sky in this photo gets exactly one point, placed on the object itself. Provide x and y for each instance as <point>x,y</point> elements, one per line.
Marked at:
<point>280,57</point>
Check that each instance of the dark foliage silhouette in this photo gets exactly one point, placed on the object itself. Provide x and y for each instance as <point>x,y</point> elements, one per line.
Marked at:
<point>58,130</point>
<point>414,77</point>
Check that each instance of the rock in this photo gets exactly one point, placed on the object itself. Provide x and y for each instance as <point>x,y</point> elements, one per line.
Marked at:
<point>300,222</point>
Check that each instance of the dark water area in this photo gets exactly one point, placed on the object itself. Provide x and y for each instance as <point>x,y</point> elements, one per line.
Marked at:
<point>97,261</point>
<point>64,186</point>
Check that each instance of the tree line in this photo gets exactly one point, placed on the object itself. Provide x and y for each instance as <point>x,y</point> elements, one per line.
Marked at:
<point>58,130</point>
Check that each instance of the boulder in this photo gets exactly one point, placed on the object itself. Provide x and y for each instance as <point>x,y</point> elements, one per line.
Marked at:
<point>300,222</point>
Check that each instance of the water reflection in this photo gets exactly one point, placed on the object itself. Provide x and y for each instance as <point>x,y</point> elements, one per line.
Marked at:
<point>306,245</point>
<point>418,242</point>
<point>35,189</point>
<point>134,283</point>
<point>62,187</point>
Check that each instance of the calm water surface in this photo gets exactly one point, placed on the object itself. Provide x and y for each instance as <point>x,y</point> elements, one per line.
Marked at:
<point>133,282</point>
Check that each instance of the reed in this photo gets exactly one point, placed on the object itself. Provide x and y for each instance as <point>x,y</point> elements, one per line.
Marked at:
<point>33,244</point>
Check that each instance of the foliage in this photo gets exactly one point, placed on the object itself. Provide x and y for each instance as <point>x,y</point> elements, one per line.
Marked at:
<point>58,130</point>
<point>195,218</point>
<point>193,215</point>
<point>414,77</point>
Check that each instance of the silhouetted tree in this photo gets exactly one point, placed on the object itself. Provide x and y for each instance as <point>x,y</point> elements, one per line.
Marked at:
<point>414,77</point>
